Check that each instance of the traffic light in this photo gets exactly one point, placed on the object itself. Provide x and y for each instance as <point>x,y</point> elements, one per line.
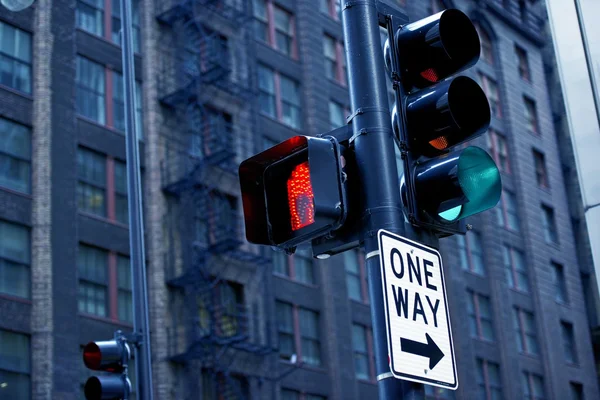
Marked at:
<point>110,356</point>
<point>438,112</point>
<point>294,191</point>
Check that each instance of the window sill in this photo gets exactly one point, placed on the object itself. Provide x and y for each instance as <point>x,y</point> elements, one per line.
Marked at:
<point>105,40</point>
<point>303,365</point>
<point>103,219</point>
<point>17,299</point>
<point>520,291</point>
<point>529,355</point>
<point>573,364</point>
<point>298,130</point>
<point>484,340</point>
<point>103,126</point>
<point>545,189</point>
<point>338,83</point>
<point>361,302</point>
<point>287,278</point>
<point>105,319</point>
<point>16,192</point>
<point>475,274</point>
<point>27,96</point>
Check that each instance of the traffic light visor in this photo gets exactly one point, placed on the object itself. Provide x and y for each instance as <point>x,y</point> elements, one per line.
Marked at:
<point>480,182</point>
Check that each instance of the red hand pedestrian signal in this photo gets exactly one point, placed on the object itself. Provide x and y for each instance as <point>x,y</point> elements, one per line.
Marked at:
<point>301,197</point>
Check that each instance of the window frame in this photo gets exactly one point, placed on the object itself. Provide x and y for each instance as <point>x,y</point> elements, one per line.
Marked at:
<point>475,298</point>
<point>513,270</point>
<point>504,207</point>
<point>108,25</point>
<point>523,63</point>
<point>529,377</point>
<point>20,159</point>
<point>277,97</point>
<point>272,29</point>
<point>549,226</point>
<point>539,167</point>
<point>492,91</point>
<point>560,285</point>
<point>567,330</point>
<point>495,140</point>
<point>485,365</point>
<point>531,116</point>
<point>26,371</point>
<point>469,251</point>
<point>333,9</point>
<point>18,32</point>
<point>361,276</point>
<point>340,71</point>
<point>368,352</point>
<point>521,314</point>
<point>297,336</point>
<point>24,263</point>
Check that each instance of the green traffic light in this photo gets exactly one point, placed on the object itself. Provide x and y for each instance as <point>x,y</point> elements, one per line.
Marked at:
<point>480,182</point>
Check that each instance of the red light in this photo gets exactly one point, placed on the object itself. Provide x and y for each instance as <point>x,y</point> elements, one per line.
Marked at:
<point>430,74</point>
<point>301,197</point>
<point>92,356</point>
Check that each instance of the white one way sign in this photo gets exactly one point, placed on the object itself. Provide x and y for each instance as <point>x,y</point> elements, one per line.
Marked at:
<point>418,323</point>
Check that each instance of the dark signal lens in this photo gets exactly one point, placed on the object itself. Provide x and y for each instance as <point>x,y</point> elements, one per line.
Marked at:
<point>301,197</point>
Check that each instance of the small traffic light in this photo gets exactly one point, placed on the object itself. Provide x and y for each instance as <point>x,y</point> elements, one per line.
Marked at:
<point>294,191</point>
<point>109,356</point>
<point>439,112</point>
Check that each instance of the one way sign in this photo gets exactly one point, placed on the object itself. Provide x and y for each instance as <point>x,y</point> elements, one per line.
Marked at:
<point>418,321</point>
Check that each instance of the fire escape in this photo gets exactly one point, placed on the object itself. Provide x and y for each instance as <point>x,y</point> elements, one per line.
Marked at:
<point>204,75</point>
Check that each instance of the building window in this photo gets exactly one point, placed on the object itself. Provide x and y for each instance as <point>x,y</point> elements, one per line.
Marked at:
<point>470,252</point>
<point>279,96</point>
<point>549,225</point>
<point>121,204</point>
<point>336,115</point>
<point>97,193</point>
<point>569,342</point>
<point>576,391</point>
<point>119,104</point>
<point>15,366</point>
<point>15,156</point>
<point>274,26</point>
<point>309,335</point>
<point>356,281</point>
<point>488,380</point>
<point>135,22</point>
<point>560,288</point>
<point>15,260</point>
<point>480,316</point>
<point>303,267</point>
<point>331,8</point>
<point>491,90</point>
<point>523,63</point>
<point>507,214</point>
<point>533,386</point>
<point>91,188</point>
<point>298,333</point>
<point>89,17</point>
<point>499,149</point>
<point>524,325</point>
<point>363,352</point>
<point>523,10</point>
<point>515,269</point>
<point>531,116</point>
<point>335,61</point>
<point>93,282</point>
<point>281,263</point>
<point>437,393</point>
<point>90,81</point>
<point>124,299</point>
<point>487,51</point>
<point>540,169</point>
<point>15,58</point>
<point>285,326</point>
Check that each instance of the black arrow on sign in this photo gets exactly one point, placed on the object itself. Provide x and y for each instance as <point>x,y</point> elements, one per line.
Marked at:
<point>429,349</point>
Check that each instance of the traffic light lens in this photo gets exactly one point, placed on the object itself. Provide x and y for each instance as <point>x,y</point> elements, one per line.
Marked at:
<point>431,75</point>
<point>440,143</point>
<point>92,357</point>
<point>459,38</point>
<point>480,182</point>
<point>93,389</point>
<point>469,107</point>
<point>301,197</point>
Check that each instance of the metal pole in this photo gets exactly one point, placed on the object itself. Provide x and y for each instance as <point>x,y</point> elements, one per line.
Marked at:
<point>375,157</point>
<point>141,325</point>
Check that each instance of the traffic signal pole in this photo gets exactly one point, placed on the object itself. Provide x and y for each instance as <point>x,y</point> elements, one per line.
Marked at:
<point>375,158</point>
<point>141,326</point>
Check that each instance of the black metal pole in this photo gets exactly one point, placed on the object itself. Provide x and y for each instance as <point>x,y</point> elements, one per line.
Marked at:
<point>139,286</point>
<point>375,157</point>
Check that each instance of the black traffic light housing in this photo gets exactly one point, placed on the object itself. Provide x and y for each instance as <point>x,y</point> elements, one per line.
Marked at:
<point>109,356</point>
<point>440,187</point>
<point>293,192</point>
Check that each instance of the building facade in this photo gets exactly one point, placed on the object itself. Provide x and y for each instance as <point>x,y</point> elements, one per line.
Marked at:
<point>217,81</point>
